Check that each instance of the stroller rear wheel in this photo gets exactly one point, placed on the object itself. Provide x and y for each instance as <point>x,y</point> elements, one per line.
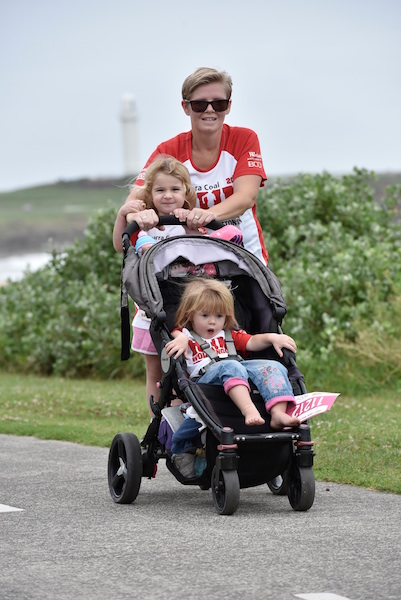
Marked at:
<point>225,490</point>
<point>301,487</point>
<point>125,468</point>
<point>278,485</point>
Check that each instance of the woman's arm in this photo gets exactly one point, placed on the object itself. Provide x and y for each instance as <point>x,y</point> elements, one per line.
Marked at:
<point>131,205</point>
<point>246,190</point>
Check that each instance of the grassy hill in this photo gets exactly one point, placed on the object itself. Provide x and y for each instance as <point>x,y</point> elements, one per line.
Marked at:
<point>51,216</point>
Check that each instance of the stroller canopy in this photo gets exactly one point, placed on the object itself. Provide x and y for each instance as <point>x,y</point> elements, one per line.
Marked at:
<point>141,276</point>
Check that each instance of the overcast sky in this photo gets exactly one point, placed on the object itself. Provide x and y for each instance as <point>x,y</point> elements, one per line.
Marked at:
<point>318,80</point>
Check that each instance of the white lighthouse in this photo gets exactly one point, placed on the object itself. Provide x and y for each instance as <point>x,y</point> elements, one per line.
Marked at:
<point>129,121</point>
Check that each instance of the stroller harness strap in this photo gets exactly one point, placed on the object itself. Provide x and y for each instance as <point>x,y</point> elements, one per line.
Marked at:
<point>214,357</point>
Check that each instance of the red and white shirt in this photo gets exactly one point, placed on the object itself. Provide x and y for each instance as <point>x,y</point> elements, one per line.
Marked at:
<point>197,358</point>
<point>239,155</point>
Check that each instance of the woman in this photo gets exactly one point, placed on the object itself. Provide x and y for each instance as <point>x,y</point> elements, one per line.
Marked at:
<point>224,163</point>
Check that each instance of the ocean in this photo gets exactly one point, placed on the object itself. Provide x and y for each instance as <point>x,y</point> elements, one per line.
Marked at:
<point>13,267</point>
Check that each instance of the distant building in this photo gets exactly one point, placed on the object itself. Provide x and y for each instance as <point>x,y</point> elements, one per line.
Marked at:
<point>129,122</point>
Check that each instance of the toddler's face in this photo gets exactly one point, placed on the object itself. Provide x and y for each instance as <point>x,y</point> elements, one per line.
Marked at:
<point>208,324</point>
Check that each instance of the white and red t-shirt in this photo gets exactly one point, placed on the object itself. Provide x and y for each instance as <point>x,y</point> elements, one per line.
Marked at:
<point>239,155</point>
<point>197,358</point>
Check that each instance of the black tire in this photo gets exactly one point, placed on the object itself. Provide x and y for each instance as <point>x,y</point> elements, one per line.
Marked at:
<point>125,468</point>
<point>225,491</point>
<point>301,487</point>
<point>278,485</point>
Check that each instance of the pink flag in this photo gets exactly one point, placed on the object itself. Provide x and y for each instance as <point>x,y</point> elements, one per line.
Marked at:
<point>310,405</point>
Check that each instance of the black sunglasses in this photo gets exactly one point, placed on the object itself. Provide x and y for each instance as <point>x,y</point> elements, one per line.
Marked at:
<point>201,105</point>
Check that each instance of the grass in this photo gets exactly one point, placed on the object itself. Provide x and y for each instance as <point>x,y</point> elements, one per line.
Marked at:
<point>358,442</point>
<point>82,411</point>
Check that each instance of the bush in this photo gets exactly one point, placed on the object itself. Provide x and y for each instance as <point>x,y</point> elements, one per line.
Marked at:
<point>64,319</point>
<point>329,243</point>
<point>334,248</point>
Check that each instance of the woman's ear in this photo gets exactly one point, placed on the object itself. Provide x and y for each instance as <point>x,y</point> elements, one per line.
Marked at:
<point>185,106</point>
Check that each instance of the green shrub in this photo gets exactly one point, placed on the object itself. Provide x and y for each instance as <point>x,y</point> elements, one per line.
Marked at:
<point>329,243</point>
<point>335,249</point>
<point>64,319</point>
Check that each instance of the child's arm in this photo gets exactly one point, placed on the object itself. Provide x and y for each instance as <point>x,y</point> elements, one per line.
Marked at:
<point>260,341</point>
<point>178,345</point>
<point>181,214</point>
<point>145,219</point>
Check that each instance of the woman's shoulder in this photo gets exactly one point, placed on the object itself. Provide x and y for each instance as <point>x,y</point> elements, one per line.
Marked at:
<point>175,145</point>
<point>234,132</point>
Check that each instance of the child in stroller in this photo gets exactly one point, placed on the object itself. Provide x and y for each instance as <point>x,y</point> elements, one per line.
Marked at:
<point>238,455</point>
<point>204,316</point>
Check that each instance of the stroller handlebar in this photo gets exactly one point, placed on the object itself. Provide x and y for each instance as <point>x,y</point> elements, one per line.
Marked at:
<point>167,220</point>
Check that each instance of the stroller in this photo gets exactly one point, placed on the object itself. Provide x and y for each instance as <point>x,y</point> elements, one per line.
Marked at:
<point>231,455</point>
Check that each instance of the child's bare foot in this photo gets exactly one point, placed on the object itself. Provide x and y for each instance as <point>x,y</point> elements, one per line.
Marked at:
<point>253,417</point>
<point>279,420</point>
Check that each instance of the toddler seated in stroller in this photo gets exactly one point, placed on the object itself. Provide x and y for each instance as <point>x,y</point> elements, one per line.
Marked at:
<point>205,327</point>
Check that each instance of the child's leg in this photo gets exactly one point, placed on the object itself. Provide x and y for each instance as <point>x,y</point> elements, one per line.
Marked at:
<point>271,379</point>
<point>153,376</point>
<point>279,417</point>
<point>234,378</point>
<point>239,394</point>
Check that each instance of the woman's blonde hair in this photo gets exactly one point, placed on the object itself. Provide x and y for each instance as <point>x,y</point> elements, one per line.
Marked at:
<point>209,295</point>
<point>170,166</point>
<point>205,75</point>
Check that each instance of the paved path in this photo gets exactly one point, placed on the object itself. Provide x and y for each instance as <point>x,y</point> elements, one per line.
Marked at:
<point>71,541</point>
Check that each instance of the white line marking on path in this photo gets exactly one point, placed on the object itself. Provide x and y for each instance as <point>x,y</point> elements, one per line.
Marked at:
<point>5,508</point>
<point>321,596</point>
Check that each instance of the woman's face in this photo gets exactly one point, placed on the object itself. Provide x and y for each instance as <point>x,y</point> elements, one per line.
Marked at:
<point>168,193</point>
<point>209,120</point>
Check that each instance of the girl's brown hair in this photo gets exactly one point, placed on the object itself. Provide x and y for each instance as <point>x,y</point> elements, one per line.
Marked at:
<point>170,166</point>
<point>209,295</point>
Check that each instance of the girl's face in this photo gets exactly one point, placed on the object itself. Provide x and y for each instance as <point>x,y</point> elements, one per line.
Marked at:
<point>207,324</point>
<point>168,193</point>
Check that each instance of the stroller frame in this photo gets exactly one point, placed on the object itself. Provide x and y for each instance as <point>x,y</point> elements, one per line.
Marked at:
<point>130,459</point>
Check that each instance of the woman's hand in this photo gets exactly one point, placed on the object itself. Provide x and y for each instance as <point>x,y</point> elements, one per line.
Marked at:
<point>130,208</point>
<point>125,216</point>
<point>198,217</point>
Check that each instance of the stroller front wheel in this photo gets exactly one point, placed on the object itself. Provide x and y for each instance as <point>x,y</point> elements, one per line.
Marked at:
<point>301,487</point>
<point>225,490</point>
<point>125,468</point>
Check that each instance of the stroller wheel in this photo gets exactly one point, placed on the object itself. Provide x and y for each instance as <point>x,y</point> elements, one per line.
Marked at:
<point>301,487</point>
<point>225,490</point>
<point>125,468</point>
<point>278,485</point>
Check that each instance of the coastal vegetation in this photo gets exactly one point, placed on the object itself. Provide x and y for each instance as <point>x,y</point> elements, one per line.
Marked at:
<point>334,243</point>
